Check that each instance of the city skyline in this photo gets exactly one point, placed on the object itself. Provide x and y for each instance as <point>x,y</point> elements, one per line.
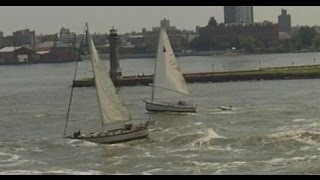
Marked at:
<point>50,19</point>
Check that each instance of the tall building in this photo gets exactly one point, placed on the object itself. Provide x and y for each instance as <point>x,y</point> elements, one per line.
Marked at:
<point>238,14</point>
<point>284,21</point>
<point>1,39</point>
<point>24,37</point>
<point>115,70</point>
<point>66,36</point>
<point>165,23</point>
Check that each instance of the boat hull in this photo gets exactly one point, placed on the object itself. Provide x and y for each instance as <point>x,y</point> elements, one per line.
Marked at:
<point>107,138</point>
<point>224,108</point>
<point>167,107</point>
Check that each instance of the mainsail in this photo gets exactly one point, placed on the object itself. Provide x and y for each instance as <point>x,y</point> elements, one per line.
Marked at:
<point>167,73</point>
<point>112,108</point>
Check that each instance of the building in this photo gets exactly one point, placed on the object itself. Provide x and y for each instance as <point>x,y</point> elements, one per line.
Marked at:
<point>238,14</point>
<point>55,51</point>
<point>24,38</point>
<point>224,36</point>
<point>1,40</point>
<point>16,55</point>
<point>177,39</point>
<point>284,21</point>
<point>66,36</point>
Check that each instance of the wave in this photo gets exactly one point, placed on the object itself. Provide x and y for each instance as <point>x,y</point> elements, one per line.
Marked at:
<point>51,172</point>
<point>40,115</point>
<point>213,167</point>
<point>149,172</point>
<point>195,140</point>
<point>77,142</point>
<point>299,120</point>
<point>308,137</point>
<point>8,160</point>
<point>301,136</point>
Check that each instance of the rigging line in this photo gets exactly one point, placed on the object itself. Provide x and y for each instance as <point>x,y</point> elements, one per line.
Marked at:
<point>72,87</point>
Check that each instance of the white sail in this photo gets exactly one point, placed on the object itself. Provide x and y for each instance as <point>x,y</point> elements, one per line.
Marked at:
<point>167,73</point>
<point>111,106</point>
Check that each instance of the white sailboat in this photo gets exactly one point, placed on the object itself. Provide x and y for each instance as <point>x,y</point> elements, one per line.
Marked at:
<point>167,76</point>
<point>112,110</point>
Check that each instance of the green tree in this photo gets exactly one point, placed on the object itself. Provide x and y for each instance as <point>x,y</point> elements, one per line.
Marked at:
<point>248,43</point>
<point>316,42</point>
<point>50,37</point>
<point>200,43</point>
<point>306,35</point>
<point>8,41</point>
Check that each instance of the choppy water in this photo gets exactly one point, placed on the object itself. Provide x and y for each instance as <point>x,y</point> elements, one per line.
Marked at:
<point>274,129</point>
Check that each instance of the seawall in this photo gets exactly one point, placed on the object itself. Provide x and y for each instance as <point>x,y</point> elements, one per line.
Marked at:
<point>278,73</point>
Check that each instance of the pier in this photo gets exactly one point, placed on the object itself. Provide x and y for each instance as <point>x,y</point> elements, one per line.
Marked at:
<point>276,73</point>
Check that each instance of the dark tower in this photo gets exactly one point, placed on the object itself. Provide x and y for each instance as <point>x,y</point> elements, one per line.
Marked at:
<point>284,21</point>
<point>115,70</point>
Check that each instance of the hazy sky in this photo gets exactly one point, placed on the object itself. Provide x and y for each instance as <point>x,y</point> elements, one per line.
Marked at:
<point>49,19</point>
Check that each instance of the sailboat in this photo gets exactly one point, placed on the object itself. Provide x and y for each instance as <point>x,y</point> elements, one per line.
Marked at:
<point>112,110</point>
<point>167,76</point>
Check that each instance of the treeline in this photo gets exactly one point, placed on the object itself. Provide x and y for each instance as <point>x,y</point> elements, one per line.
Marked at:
<point>304,38</point>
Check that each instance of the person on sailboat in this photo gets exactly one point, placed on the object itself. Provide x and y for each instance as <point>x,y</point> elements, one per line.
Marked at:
<point>182,103</point>
<point>76,134</point>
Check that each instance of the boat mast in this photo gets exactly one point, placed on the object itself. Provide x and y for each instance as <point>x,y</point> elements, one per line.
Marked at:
<point>89,45</point>
<point>155,68</point>
<point>72,88</point>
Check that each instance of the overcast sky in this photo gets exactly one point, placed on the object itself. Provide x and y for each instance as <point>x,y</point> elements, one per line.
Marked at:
<point>50,19</point>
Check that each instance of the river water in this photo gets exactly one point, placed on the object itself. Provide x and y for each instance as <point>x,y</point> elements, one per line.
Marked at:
<point>273,129</point>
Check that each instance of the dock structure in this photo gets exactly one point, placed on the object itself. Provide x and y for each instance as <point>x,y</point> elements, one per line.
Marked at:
<point>277,73</point>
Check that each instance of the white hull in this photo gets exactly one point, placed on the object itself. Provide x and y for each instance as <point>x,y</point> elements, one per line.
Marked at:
<point>169,107</point>
<point>114,136</point>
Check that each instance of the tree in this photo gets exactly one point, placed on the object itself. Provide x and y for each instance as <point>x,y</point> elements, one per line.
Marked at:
<point>306,35</point>
<point>248,43</point>
<point>200,43</point>
<point>50,37</point>
<point>316,42</point>
<point>8,41</point>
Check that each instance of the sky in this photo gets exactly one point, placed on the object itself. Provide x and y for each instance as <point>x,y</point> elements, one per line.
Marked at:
<point>50,19</point>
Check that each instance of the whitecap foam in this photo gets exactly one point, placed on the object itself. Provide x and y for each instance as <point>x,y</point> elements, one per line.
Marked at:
<point>148,155</point>
<point>77,142</point>
<point>40,115</point>
<point>7,160</point>
<point>36,149</point>
<point>307,137</point>
<point>223,112</point>
<point>48,172</point>
<point>149,172</point>
<point>198,123</point>
<point>187,156</point>
<point>298,120</point>
<point>195,140</point>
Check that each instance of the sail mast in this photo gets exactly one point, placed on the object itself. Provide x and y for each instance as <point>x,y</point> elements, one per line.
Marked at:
<point>70,100</point>
<point>89,38</point>
<point>72,88</point>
